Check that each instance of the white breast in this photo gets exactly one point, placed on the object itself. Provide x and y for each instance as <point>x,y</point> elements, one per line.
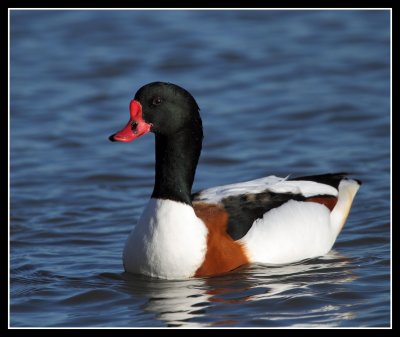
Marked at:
<point>169,241</point>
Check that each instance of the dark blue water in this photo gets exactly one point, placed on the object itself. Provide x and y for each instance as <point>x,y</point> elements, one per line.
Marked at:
<point>281,92</point>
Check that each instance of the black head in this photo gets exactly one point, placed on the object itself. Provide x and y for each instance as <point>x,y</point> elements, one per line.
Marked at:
<point>162,108</point>
<point>167,107</point>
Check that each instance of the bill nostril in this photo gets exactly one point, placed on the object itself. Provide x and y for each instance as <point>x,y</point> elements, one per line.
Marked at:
<point>134,126</point>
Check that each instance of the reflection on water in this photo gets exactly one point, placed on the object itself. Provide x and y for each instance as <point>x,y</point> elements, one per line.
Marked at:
<point>185,303</point>
<point>173,302</point>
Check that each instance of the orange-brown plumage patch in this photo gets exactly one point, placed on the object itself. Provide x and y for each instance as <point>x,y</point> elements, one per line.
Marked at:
<point>329,201</point>
<point>223,253</point>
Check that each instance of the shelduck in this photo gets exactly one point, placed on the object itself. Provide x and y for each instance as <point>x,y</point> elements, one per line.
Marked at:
<point>270,220</point>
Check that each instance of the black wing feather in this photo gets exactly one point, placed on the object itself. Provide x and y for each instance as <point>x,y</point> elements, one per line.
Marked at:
<point>244,209</point>
<point>331,179</point>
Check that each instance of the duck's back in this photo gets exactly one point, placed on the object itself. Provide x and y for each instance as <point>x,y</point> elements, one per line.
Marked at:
<point>281,220</point>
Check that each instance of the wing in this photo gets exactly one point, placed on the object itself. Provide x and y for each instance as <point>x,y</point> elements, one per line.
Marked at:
<point>247,201</point>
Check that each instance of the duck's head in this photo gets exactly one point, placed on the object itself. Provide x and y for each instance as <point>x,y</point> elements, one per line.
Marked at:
<point>162,108</point>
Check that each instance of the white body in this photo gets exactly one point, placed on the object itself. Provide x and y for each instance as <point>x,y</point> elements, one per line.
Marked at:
<point>299,230</point>
<point>170,242</point>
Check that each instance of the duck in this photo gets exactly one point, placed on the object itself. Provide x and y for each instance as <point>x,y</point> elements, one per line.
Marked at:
<point>269,220</point>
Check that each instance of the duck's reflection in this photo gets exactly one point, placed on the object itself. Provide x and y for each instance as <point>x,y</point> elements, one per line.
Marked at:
<point>222,300</point>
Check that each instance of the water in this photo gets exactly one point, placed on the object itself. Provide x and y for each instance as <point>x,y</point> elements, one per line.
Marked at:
<point>281,92</point>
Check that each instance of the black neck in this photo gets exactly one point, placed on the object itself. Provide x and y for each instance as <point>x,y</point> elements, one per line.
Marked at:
<point>177,156</point>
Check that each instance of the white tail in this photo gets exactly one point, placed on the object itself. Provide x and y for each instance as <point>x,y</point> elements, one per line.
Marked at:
<point>347,191</point>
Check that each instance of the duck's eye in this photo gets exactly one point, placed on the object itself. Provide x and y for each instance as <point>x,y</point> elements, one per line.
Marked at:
<point>157,101</point>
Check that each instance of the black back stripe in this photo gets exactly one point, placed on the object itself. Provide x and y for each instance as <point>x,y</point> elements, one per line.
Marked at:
<point>331,179</point>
